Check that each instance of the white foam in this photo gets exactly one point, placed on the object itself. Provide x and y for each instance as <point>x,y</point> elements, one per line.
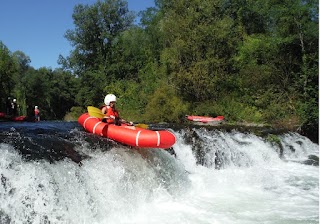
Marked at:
<point>151,186</point>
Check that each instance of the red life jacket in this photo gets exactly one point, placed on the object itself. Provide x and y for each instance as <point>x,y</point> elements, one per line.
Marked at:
<point>112,112</point>
<point>105,106</point>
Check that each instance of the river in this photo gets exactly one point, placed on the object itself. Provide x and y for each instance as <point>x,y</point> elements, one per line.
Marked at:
<point>55,172</point>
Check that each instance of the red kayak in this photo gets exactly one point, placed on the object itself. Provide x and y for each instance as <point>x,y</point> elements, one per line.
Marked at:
<point>204,119</point>
<point>129,135</point>
<point>19,118</point>
<point>11,118</point>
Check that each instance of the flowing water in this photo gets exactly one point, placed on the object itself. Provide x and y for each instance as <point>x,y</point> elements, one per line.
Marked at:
<point>55,172</point>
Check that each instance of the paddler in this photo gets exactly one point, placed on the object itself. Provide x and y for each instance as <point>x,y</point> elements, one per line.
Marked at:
<point>111,113</point>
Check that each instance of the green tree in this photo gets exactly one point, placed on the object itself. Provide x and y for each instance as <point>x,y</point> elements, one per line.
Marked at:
<point>38,91</point>
<point>23,62</point>
<point>278,64</point>
<point>8,67</point>
<point>62,91</point>
<point>97,30</point>
<point>53,91</point>
<point>200,41</point>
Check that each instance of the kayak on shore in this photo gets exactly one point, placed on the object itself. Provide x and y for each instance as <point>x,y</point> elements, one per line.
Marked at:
<point>204,119</point>
<point>4,116</point>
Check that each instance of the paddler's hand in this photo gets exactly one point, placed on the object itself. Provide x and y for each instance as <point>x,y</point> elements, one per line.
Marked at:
<point>130,123</point>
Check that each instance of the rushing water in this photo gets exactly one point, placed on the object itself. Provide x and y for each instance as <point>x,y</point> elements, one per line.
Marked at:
<point>55,172</point>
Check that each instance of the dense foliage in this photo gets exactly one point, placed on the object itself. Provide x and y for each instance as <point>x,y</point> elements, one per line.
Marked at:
<point>249,60</point>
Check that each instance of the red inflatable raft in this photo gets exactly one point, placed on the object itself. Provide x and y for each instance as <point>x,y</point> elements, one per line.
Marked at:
<point>204,119</point>
<point>129,135</point>
<point>12,118</point>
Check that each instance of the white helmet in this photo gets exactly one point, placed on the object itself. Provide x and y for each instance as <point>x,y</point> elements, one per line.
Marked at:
<point>36,107</point>
<point>110,98</point>
<point>14,100</point>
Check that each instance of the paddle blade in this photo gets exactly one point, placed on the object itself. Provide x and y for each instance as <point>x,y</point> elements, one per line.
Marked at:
<point>145,126</point>
<point>95,112</point>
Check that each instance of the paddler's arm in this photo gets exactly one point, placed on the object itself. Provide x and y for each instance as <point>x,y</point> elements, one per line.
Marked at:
<point>126,122</point>
<point>104,111</point>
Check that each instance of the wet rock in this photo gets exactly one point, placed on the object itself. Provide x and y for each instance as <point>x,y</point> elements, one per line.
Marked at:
<point>4,218</point>
<point>312,160</point>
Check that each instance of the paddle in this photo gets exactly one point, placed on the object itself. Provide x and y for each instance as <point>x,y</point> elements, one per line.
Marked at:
<point>96,112</point>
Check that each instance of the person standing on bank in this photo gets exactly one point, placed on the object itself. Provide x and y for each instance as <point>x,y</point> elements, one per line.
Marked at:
<point>14,107</point>
<point>111,113</point>
<point>36,113</point>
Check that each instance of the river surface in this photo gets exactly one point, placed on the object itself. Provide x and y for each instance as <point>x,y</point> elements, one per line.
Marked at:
<point>55,172</point>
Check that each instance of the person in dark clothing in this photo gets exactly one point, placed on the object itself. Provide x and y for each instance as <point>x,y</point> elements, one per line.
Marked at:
<point>9,106</point>
<point>14,107</point>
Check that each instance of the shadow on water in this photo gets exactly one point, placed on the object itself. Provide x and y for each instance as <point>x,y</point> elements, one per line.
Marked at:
<point>52,141</point>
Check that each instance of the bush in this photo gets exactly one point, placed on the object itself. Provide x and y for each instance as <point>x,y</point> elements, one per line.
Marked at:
<point>74,113</point>
<point>207,108</point>
<point>165,106</point>
<point>234,110</point>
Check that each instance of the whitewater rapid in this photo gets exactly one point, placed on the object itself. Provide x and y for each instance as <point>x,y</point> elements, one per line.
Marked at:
<point>121,185</point>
